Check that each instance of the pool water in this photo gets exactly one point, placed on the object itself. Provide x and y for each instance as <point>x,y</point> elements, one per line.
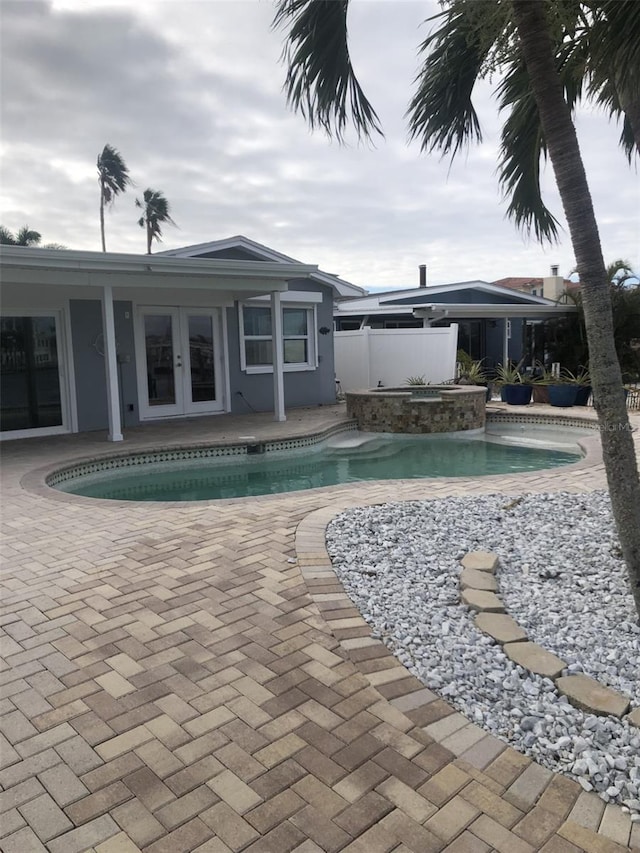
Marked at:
<point>325,465</point>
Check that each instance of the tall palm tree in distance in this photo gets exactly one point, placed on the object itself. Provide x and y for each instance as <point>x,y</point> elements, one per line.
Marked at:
<point>113,177</point>
<point>546,56</point>
<point>155,209</point>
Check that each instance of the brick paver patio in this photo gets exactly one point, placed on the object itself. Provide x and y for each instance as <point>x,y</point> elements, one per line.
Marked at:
<point>191,677</point>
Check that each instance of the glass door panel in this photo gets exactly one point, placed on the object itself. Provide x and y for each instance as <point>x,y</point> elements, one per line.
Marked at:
<point>201,358</point>
<point>31,395</point>
<point>159,351</point>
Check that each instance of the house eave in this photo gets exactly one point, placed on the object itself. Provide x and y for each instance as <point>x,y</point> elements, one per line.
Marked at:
<point>22,265</point>
<point>453,310</point>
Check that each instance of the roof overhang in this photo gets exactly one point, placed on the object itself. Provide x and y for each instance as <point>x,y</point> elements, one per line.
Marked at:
<point>25,265</point>
<point>452,310</point>
<point>341,311</point>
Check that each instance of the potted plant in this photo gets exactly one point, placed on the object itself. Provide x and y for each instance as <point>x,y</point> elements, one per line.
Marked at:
<point>541,381</point>
<point>570,389</point>
<point>583,381</point>
<point>472,373</point>
<point>516,390</point>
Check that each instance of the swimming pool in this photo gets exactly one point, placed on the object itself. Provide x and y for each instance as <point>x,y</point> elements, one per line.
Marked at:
<point>346,458</point>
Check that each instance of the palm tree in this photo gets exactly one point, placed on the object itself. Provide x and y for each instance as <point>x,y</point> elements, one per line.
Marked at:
<point>549,55</point>
<point>537,46</point>
<point>156,213</point>
<point>24,237</point>
<point>113,177</point>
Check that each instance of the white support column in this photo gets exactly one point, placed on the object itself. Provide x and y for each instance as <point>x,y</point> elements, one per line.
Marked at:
<point>111,365</point>
<point>505,343</point>
<point>278,357</point>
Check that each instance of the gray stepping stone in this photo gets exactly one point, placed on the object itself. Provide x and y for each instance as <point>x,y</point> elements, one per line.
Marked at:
<point>478,599</point>
<point>587,693</point>
<point>536,659</point>
<point>481,561</point>
<point>473,579</point>
<point>501,627</point>
<point>634,717</point>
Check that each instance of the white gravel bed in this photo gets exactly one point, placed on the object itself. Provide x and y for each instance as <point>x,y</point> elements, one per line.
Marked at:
<point>561,578</point>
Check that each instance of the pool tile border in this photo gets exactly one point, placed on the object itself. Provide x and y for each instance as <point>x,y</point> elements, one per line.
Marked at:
<point>42,481</point>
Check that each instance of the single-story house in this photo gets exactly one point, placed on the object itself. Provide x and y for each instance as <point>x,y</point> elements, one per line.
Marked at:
<point>495,323</point>
<point>95,340</point>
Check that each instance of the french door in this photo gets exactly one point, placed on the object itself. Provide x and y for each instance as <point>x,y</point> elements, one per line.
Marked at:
<point>179,363</point>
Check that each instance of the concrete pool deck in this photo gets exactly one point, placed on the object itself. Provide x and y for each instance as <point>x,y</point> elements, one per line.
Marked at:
<point>182,677</point>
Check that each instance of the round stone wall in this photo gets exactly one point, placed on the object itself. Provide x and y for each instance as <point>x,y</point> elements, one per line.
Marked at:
<point>417,409</point>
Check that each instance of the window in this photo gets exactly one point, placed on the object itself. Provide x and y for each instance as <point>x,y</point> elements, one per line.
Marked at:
<point>30,373</point>
<point>298,333</point>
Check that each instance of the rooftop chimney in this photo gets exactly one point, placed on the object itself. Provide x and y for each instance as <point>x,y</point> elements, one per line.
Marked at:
<point>423,275</point>
<point>553,285</point>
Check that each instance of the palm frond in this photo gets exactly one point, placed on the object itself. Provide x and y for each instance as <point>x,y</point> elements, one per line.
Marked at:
<point>441,114</point>
<point>522,144</point>
<point>6,237</point>
<point>28,237</point>
<point>321,83</point>
<point>521,150</point>
<point>614,37</point>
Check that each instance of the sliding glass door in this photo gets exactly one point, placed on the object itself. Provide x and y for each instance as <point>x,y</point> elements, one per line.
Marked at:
<point>30,368</point>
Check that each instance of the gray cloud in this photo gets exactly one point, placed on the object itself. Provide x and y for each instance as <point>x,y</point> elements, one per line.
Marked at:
<point>191,94</point>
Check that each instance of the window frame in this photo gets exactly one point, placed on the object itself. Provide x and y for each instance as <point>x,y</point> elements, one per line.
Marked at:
<point>311,337</point>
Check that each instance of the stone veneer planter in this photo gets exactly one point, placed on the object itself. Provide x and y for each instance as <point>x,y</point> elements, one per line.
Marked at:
<point>419,409</point>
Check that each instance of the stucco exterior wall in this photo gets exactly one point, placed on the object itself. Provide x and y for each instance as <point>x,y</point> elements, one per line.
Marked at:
<point>90,378</point>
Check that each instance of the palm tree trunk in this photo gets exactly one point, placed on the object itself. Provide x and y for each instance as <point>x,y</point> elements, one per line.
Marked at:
<point>104,247</point>
<point>149,236</point>
<point>564,152</point>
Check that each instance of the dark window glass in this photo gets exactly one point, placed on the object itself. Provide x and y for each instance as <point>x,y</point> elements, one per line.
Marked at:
<point>295,351</point>
<point>29,371</point>
<point>158,340</point>
<point>294,321</point>
<point>258,352</point>
<point>257,321</point>
<point>203,380</point>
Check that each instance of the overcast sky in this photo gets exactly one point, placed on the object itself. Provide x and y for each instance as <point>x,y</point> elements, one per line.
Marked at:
<point>191,95</point>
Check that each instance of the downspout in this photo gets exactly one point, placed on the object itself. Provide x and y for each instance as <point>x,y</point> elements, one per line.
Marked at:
<point>111,366</point>
<point>505,343</point>
<point>278,357</point>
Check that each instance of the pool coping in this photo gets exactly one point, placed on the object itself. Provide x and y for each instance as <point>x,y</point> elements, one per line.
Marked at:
<point>38,480</point>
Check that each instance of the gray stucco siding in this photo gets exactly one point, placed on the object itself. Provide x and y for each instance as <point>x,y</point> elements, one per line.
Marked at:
<point>89,367</point>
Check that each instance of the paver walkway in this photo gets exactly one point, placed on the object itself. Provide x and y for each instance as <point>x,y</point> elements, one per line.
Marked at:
<point>177,677</point>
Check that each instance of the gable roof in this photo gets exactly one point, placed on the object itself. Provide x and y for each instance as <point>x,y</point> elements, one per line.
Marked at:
<point>342,289</point>
<point>393,301</point>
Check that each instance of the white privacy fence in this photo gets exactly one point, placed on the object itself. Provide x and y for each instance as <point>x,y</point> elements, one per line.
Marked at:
<point>367,357</point>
